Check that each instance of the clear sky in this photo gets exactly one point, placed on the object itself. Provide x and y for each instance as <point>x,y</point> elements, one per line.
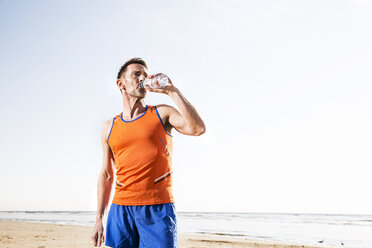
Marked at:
<point>284,88</point>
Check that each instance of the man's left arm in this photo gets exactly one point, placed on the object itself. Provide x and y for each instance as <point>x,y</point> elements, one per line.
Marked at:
<point>187,120</point>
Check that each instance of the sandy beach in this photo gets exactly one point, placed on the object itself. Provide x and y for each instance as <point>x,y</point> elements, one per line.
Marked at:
<point>15,234</point>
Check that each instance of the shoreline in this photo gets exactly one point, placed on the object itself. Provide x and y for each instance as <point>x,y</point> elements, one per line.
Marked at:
<point>46,235</point>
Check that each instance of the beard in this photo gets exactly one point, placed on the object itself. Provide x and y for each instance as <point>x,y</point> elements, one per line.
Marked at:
<point>139,93</point>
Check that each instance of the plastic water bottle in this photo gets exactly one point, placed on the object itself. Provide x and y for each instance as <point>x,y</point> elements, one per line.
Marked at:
<point>157,82</point>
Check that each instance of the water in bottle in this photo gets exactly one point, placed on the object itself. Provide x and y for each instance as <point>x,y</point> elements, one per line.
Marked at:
<point>157,82</point>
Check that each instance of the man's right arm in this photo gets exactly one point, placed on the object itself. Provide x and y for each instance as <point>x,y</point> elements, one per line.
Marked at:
<point>104,186</point>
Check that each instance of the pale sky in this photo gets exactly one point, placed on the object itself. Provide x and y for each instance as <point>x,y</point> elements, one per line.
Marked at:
<point>284,88</point>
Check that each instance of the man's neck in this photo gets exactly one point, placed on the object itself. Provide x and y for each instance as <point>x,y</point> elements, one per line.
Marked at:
<point>132,107</point>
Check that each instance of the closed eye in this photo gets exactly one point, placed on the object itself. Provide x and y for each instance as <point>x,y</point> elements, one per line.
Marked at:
<point>138,73</point>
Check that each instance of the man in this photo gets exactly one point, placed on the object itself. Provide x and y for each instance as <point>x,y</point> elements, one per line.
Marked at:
<point>138,143</point>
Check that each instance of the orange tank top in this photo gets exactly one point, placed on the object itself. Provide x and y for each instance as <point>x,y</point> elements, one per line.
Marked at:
<point>142,150</point>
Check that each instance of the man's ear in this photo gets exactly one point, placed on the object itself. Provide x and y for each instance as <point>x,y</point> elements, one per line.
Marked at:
<point>120,84</point>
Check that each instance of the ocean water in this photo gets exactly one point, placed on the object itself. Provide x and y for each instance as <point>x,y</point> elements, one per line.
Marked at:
<point>320,230</point>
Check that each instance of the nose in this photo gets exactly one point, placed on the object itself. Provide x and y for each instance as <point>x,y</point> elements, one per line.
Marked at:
<point>142,78</point>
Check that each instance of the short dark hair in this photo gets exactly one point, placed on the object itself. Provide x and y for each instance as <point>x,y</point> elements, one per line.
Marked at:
<point>131,61</point>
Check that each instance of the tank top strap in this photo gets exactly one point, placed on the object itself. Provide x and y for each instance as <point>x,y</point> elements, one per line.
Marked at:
<point>116,117</point>
<point>151,109</point>
<point>112,125</point>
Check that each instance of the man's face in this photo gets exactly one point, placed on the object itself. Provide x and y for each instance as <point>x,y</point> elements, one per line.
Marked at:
<point>134,75</point>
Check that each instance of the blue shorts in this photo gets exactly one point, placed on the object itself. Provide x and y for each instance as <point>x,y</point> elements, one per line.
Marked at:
<point>152,226</point>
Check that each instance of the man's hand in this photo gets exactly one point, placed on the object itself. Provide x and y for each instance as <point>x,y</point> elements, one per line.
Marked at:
<point>98,237</point>
<point>166,90</point>
<point>186,120</point>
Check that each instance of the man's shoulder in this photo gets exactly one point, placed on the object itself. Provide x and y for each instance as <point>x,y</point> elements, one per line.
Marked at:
<point>107,122</point>
<point>164,108</point>
<point>106,126</point>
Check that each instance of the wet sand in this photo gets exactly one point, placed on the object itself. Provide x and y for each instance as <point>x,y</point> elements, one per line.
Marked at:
<point>15,234</point>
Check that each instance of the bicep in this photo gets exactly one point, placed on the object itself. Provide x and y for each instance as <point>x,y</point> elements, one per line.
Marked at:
<point>177,121</point>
